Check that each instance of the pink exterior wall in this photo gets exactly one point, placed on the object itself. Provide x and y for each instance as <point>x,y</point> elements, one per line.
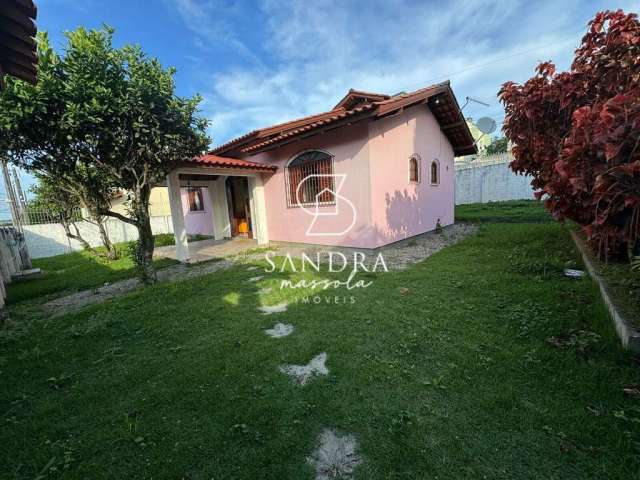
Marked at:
<point>374,155</point>
<point>198,222</point>
<point>349,147</point>
<point>399,208</point>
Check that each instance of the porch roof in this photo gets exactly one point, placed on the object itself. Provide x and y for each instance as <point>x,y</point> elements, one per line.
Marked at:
<point>231,163</point>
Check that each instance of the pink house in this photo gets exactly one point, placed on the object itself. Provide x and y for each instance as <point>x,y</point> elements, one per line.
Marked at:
<point>373,170</point>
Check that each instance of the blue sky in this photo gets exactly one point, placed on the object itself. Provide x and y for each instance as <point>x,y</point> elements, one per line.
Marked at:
<point>258,63</point>
<point>261,62</point>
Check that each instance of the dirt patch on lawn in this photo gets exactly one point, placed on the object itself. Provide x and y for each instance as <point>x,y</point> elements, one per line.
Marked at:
<point>336,456</point>
<point>302,374</point>
<point>280,330</point>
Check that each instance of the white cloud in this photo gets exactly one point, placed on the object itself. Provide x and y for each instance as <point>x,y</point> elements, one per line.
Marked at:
<point>319,50</point>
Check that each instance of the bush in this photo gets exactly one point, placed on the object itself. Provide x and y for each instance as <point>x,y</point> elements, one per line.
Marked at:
<point>578,133</point>
<point>164,239</point>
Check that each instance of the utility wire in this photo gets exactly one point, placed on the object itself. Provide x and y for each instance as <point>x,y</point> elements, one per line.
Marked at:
<point>497,60</point>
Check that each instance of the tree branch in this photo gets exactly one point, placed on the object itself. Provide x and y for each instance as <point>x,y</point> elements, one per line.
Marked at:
<point>121,217</point>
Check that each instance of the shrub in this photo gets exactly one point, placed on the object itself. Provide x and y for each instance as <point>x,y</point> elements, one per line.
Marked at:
<point>164,239</point>
<point>578,133</point>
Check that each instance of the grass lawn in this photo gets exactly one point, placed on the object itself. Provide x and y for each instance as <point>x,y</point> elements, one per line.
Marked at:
<point>439,371</point>
<point>75,271</point>
<point>518,211</point>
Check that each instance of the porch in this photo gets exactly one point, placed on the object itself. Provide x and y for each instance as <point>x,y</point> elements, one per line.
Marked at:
<point>233,190</point>
<point>205,250</point>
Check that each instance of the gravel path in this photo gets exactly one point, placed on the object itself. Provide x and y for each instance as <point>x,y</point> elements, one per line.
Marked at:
<point>397,257</point>
<point>79,300</point>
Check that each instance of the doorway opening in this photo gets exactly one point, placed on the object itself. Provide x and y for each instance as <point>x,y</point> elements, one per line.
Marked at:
<point>239,206</point>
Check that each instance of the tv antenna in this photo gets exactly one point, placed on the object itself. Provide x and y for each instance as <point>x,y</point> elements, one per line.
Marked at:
<point>475,100</point>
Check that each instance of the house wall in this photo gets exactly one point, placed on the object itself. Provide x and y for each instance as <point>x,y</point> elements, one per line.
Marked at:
<point>349,147</point>
<point>374,156</point>
<point>399,208</point>
<point>158,203</point>
<point>197,223</point>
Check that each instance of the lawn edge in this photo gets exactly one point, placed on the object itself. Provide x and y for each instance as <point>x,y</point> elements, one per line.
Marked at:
<point>629,336</point>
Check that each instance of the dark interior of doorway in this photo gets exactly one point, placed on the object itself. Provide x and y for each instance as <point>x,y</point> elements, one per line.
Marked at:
<point>239,207</point>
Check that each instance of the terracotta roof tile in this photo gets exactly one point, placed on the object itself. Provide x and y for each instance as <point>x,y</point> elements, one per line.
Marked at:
<point>439,97</point>
<point>225,162</point>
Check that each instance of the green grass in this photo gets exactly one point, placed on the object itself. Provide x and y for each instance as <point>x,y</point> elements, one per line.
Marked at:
<point>73,272</point>
<point>452,378</point>
<point>624,286</point>
<point>514,211</point>
<point>166,239</point>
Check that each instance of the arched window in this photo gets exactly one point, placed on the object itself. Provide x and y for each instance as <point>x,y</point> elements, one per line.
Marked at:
<point>309,178</point>
<point>435,172</point>
<point>414,169</point>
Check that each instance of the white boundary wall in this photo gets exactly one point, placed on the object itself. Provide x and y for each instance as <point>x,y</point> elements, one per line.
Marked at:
<point>46,240</point>
<point>489,179</point>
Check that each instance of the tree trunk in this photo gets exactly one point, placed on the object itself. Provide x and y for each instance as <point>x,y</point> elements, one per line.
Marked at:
<point>67,228</point>
<point>112,252</point>
<point>145,247</point>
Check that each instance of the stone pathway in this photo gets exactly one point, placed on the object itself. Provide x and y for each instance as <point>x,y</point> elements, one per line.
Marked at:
<point>269,309</point>
<point>79,300</point>
<point>336,456</point>
<point>301,374</point>
<point>280,330</point>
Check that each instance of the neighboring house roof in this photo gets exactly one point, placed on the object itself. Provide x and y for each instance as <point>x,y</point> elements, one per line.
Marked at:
<point>482,139</point>
<point>17,45</point>
<point>356,97</point>
<point>356,106</point>
<point>224,162</point>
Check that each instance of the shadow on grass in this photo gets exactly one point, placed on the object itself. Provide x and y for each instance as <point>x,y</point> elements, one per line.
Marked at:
<point>71,272</point>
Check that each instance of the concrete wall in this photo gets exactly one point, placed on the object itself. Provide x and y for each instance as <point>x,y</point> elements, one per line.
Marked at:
<point>482,181</point>
<point>46,240</point>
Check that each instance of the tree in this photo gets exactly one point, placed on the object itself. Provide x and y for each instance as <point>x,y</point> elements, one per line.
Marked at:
<point>122,124</point>
<point>35,133</point>
<point>61,206</point>
<point>497,146</point>
<point>578,133</point>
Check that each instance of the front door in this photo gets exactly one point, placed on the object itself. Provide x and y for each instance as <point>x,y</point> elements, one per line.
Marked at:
<point>239,207</point>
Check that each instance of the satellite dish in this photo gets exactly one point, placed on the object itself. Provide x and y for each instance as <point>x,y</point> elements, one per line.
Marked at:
<point>486,125</point>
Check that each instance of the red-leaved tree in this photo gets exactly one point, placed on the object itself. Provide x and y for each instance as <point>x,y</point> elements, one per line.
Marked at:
<point>578,133</point>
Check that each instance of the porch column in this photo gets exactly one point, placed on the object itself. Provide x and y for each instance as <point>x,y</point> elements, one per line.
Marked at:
<point>259,209</point>
<point>218,196</point>
<point>177,217</point>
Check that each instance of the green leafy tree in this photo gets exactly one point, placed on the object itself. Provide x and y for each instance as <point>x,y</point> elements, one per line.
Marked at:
<point>35,133</point>
<point>109,119</point>
<point>61,206</point>
<point>497,146</point>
